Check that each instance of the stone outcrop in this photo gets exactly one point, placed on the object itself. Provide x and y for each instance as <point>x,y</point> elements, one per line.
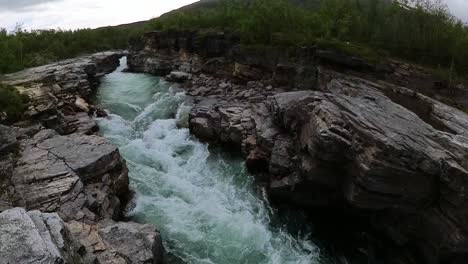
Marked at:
<point>117,242</point>
<point>350,144</point>
<point>80,177</point>
<point>318,138</point>
<point>157,50</point>
<point>35,237</point>
<point>77,183</point>
<point>57,91</point>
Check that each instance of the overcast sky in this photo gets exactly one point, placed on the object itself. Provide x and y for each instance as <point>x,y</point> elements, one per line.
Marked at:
<point>71,14</point>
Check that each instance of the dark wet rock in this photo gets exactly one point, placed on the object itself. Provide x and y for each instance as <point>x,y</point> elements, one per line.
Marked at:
<point>7,139</point>
<point>118,242</point>
<point>343,60</point>
<point>8,148</point>
<point>35,237</point>
<point>284,75</point>
<point>247,73</point>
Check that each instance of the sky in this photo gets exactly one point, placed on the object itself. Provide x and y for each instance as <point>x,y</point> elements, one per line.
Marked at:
<point>72,14</point>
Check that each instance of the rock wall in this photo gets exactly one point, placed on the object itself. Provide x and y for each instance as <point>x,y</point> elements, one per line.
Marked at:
<point>319,138</point>
<point>73,183</point>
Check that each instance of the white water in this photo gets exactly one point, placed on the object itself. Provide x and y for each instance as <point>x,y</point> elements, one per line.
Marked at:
<point>205,205</point>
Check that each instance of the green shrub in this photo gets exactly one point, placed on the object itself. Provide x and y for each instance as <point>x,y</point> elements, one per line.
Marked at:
<point>12,103</point>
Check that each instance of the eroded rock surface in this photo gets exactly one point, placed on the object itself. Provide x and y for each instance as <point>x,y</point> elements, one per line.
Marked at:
<point>323,139</point>
<point>352,144</point>
<point>80,177</point>
<point>54,163</point>
<point>108,242</point>
<point>57,91</point>
<point>35,237</point>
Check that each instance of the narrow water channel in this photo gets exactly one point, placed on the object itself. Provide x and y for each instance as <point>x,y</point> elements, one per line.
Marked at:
<point>204,202</point>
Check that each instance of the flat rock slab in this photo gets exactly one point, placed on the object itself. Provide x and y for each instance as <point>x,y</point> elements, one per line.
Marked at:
<point>80,177</point>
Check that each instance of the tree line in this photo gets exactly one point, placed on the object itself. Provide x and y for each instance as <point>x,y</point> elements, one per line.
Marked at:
<point>23,49</point>
<point>422,31</point>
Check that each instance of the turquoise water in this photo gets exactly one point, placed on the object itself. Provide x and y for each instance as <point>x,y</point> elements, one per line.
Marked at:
<point>204,203</point>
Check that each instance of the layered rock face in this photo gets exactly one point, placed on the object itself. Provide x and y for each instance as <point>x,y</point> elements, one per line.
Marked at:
<point>119,242</point>
<point>35,237</point>
<point>59,91</point>
<point>80,177</point>
<point>75,181</point>
<point>323,139</point>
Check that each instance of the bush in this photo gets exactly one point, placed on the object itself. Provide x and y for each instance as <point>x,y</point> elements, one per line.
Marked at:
<point>12,103</point>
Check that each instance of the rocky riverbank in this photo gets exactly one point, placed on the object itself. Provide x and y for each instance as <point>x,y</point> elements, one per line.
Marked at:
<point>325,130</point>
<point>63,189</point>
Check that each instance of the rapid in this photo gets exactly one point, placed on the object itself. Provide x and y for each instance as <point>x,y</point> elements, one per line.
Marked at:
<point>202,200</point>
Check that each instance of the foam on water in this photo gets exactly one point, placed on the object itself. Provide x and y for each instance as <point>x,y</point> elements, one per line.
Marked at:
<point>205,204</point>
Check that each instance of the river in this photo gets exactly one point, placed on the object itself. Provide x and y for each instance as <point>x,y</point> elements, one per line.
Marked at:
<point>203,201</point>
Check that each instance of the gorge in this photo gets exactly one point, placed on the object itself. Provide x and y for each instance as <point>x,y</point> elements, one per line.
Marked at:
<point>322,133</point>
<point>204,202</point>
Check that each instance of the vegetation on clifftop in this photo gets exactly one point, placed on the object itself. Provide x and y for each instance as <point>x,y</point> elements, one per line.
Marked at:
<point>12,104</point>
<point>25,49</point>
<point>422,31</point>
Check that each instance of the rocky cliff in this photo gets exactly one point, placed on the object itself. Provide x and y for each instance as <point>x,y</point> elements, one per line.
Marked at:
<point>63,189</point>
<point>325,130</point>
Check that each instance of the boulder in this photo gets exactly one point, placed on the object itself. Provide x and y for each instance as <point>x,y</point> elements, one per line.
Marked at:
<point>119,242</point>
<point>81,104</point>
<point>178,76</point>
<point>35,237</point>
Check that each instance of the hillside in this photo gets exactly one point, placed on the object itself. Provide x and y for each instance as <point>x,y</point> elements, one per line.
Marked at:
<point>372,29</point>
